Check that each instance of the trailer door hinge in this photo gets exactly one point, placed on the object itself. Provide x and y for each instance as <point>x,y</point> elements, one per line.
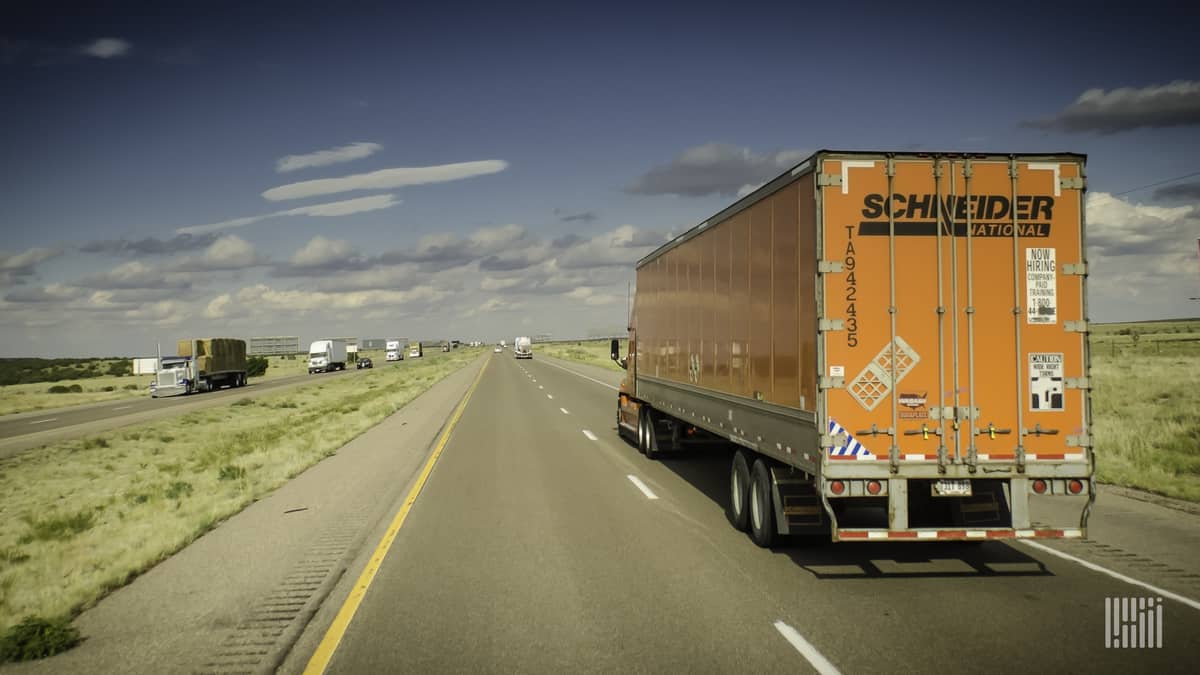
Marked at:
<point>829,266</point>
<point>828,179</point>
<point>1075,183</point>
<point>1075,326</point>
<point>1080,441</point>
<point>1075,269</point>
<point>941,413</point>
<point>832,382</point>
<point>830,325</point>
<point>1077,383</point>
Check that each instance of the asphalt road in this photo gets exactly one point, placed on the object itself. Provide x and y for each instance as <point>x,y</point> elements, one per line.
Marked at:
<point>544,543</point>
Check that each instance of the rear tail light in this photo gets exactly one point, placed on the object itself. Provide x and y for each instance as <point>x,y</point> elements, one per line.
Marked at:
<point>1075,486</point>
<point>837,487</point>
<point>874,487</point>
<point>1039,486</point>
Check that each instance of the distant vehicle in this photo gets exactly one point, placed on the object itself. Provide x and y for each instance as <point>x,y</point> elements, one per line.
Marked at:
<point>503,344</point>
<point>394,351</point>
<point>364,363</point>
<point>896,418</point>
<point>497,349</point>
<point>523,348</point>
<point>326,356</point>
<point>415,351</point>
<point>201,364</point>
<point>445,346</point>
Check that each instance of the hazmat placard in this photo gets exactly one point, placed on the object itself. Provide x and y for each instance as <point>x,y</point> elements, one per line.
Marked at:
<point>1041,286</point>
<point>1045,381</point>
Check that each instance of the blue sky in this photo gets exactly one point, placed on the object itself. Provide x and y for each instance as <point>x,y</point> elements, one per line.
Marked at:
<point>549,147</point>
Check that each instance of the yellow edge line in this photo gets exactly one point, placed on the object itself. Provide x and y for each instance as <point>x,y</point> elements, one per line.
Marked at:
<point>333,637</point>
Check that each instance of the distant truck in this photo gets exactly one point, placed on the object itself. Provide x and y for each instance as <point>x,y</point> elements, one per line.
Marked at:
<point>201,364</point>
<point>395,352</point>
<point>326,356</point>
<point>415,351</point>
<point>893,345</point>
<point>523,348</point>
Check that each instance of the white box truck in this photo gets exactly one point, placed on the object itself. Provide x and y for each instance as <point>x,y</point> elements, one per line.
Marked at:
<point>523,348</point>
<point>326,355</point>
<point>394,351</point>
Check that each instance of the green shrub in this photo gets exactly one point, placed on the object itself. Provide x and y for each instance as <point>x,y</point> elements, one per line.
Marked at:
<point>244,401</point>
<point>36,638</point>
<point>256,365</point>
<point>58,389</point>
<point>93,443</point>
<point>12,556</point>
<point>130,387</point>
<point>178,489</point>
<point>108,387</point>
<point>231,472</point>
<point>121,367</point>
<point>59,527</point>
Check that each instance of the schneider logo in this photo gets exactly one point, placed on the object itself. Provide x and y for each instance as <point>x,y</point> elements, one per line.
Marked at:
<point>1133,623</point>
<point>991,215</point>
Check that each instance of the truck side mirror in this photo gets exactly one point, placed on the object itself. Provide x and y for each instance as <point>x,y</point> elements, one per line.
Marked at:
<point>614,352</point>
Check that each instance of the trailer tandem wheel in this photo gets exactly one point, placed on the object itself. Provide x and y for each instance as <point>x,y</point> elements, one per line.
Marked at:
<point>739,491</point>
<point>762,511</point>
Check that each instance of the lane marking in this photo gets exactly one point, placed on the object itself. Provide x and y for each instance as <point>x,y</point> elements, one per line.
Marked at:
<point>52,419</point>
<point>590,435</point>
<point>337,630</point>
<point>535,380</point>
<point>818,662</point>
<point>549,397</point>
<point>565,412</point>
<point>123,407</point>
<point>1116,575</point>
<point>582,375</point>
<point>642,486</point>
<point>540,387</point>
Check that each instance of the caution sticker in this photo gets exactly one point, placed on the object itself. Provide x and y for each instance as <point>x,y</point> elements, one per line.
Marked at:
<point>1041,286</point>
<point>1045,381</point>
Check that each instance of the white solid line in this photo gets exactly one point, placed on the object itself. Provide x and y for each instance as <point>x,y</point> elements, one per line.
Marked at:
<point>641,486</point>
<point>590,435</point>
<point>1116,575</point>
<point>581,375</point>
<point>820,663</point>
<point>52,419</point>
<point>564,411</point>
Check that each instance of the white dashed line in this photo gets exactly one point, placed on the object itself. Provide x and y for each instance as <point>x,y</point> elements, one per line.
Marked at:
<point>641,486</point>
<point>540,387</point>
<point>54,419</point>
<point>590,435</point>
<point>565,411</point>
<point>123,407</point>
<point>549,397</point>
<point>819,663</point>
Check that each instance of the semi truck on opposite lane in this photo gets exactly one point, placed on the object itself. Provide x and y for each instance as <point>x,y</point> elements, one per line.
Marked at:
<point>201,364</point>
<point>894,343</point>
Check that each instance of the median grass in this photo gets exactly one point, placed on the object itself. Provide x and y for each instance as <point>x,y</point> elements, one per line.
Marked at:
<point>1145,402</point>
<point>592,352</point>
<point>81,518</point>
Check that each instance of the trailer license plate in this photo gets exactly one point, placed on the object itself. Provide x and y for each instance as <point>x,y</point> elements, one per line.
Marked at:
<point>950,487</point>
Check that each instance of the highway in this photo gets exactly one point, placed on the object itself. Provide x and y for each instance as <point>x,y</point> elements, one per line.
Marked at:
<point>31,429</point>
<point>542,542</point>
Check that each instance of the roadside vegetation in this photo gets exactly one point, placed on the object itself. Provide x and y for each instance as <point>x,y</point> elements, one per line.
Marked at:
<point>1145,402</point>
<point>88,381</point>
<point>593,352</point>
<point>83,517</point>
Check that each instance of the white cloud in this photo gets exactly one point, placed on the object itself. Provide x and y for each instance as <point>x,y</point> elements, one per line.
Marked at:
<point>17,265</point>
<point>107,48</point>
<point>320,251</point>
<point>216,308</point>
<point>230,252</point>
<point>262,300</point>
<point>346,153</point>
<point>330,209</point>
<point>494,284</point>
<point>385,179</point>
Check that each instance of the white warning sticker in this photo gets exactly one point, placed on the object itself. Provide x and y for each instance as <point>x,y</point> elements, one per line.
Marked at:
<point>1041,286</point>
<point>1045,381</point>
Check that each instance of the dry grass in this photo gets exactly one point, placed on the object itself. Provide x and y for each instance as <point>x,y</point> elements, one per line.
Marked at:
<point>81,518</point>
<point>28,397</point>
<point>593,352</point>
<point>1145,402</point>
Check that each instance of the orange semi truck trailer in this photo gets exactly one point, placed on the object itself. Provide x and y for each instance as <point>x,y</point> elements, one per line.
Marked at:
<point>895,345</point>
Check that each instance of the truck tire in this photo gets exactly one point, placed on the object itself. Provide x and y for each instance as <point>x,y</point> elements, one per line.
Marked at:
<point>642,423</point>
<point>762,511</point>
<point>739,491</point>
<point>652,449</point>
